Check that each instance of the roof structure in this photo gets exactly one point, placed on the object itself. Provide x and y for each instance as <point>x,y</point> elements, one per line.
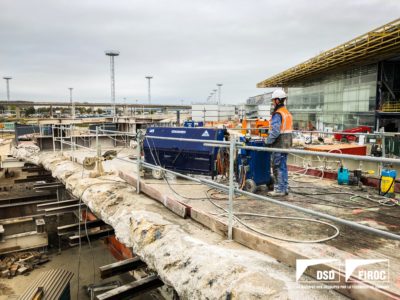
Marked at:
<point>378,44</point>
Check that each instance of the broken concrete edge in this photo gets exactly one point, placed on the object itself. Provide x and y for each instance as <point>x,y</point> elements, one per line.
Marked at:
<point>194,268</point>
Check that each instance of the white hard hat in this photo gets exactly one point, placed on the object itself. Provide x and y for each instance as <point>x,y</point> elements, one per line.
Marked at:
<point>278,94</point>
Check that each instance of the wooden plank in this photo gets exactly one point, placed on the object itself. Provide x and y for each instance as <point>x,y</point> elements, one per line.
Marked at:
<point>288,256</point>
<point>120,267</point>
<point>209,221</point>
<point>169,202</point>
<point>132,289</point>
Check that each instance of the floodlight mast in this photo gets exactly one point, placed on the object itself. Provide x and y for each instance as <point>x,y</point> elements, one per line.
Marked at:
<point>112,54</point>
<point>8,78</point>
<point>149,88</point>
<point>71,103</point>
<point>215,93</point>
<point>219,93</point>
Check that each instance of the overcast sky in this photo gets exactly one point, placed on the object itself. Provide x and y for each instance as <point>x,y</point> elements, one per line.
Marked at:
<point>188,46</point>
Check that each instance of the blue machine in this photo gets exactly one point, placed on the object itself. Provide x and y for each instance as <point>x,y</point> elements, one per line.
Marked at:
<point>181,156</point>
<point>343,176</point>
<point>254,167</point>
<point>190,123</point>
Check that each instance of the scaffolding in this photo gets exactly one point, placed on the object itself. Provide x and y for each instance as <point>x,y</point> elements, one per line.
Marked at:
<point>378,44</point>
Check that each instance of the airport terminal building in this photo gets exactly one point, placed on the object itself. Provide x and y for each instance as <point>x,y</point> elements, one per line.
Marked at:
<point>356,83</point>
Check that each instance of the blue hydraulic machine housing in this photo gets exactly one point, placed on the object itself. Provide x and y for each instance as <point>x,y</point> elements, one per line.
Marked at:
<point>182,156</point>
<point>191,123</point>
<point>253,168</point>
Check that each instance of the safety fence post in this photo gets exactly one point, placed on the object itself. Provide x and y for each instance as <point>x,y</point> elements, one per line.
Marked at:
<point>53,136</point>
<point>71,141</point>
<point>61,139</point>
<point>97,142</point>
<point>138,158</point>
<point>231,187</point>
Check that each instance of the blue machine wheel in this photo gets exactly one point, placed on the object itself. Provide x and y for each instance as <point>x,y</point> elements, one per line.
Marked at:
<point>250,186</point>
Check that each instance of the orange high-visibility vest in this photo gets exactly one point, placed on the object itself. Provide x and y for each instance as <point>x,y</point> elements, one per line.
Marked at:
<point>287,120</point>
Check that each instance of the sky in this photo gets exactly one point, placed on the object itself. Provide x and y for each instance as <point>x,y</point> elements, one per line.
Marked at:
<point>187,46</point>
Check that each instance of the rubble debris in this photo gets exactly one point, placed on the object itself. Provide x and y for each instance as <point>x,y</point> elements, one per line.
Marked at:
<point>19,263</point>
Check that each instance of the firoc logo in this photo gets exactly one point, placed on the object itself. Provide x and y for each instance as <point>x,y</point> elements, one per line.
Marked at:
<point>371,270</point>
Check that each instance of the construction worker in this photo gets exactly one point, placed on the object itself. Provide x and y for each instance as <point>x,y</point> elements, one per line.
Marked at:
<point>280,136</point>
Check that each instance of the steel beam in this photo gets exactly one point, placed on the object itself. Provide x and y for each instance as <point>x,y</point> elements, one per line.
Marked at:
<point>74,240</point>
<point>48,185</point>
<point>33,169</point>
<point>22,199</point>
<point>33,179</point>
<point>120,267</point>
<point>71,228</point>
<point>38,202</point>
<point>132,289</point>
<point>57,204</point>
<point>63,209</point>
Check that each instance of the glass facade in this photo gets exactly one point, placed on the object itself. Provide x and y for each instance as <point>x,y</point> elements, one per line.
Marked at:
<point>338,101</point>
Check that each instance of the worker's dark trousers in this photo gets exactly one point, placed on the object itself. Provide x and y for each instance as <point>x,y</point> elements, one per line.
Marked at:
<point>279,166</point>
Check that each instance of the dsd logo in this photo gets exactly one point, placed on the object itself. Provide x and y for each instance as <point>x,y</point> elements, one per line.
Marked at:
<point>328,270</point>
<point>319,269</point>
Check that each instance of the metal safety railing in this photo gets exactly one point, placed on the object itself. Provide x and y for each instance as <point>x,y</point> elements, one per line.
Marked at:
<point>234,146</point>
<point>65,133</point>
<point>231,189</point>
<point>386,139</point>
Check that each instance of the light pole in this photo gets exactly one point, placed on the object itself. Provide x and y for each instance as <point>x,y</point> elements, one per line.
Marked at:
<point>8,78</point>
<point>71,103</point>
<point>112,54</point>
<point>215,93</point>
<point>219,92</point>
<point>149,88</point>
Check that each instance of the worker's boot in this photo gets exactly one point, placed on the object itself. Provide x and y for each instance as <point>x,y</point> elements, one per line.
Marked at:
<point>276,194</point>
